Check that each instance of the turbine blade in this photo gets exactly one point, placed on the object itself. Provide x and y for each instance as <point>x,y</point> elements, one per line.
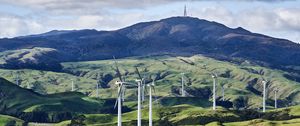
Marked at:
<point>145,88</point>
<point>138,72</point>
<point>120,90</point>
<point>119,95</point>
<point>118,70</point>
<point>123,94</point>
<point>153,88</point>
<point>116,103</point>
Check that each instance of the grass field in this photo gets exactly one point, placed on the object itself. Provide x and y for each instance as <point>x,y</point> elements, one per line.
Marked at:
<point>241,81</point>
<point>10,121</point>
<point>242,84</point>
<point>180,115</point>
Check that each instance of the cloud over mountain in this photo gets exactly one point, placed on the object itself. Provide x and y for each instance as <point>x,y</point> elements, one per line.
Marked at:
<point>278,18</point>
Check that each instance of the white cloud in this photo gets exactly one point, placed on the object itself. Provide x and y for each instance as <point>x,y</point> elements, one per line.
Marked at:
<point>48,15</point>
<point>280,22</point>
<point>12,26</point>
<point>290,17</point>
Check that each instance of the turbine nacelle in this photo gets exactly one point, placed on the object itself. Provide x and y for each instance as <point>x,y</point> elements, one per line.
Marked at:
<point>119,83</point>
<point>213,76</point>
<point>138,80</point>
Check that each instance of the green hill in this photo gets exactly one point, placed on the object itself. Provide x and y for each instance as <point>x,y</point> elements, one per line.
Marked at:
<point>10,121</point>
<point>31,106</point>
<point>192,115</point>
<point>242,82</point>
<point>55,103</point>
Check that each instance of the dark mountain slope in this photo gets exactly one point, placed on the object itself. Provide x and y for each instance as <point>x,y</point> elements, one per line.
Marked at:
<point>175,35</point>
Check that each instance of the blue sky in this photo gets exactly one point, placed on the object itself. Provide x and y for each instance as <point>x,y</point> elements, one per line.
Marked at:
<point>277,18</point>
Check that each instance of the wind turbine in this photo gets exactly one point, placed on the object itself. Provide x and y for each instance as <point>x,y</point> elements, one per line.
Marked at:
<point>119,101</point>
<point>264,94</point>
<point>223,92</point>
<point>139,83</point>
<point>214,76</point>
<point>182,85</point>
<point>143,88</point>
<point>276,90</point>
<point>17,78</point>
<point>97,90</point>
<point>151,86</point>
<point>121,86</point>
<point>73,89</point>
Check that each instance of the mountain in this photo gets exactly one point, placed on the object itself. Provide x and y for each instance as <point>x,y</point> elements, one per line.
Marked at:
<point>181,36</point>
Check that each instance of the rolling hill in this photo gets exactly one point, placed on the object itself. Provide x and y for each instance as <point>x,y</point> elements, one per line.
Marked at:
<point>31,106</point>
<point>242,82</point>
<point>191,115</point>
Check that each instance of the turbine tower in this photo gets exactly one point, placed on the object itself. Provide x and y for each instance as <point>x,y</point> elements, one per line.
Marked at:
<point>121,86</point>
<point>72,86</point>
<point>185,12</point>
<point>139,83</point>
<point>119,101</point>
<point>223,93</point>
<point>17,78</point>
<point>275,97</point>
<point>214,76</point>
<point>97,90</point>
<point>264,95</point>
<point>139,114</point>
<point>150,101</point>
<point>182,85</point>
<point>143,89</point>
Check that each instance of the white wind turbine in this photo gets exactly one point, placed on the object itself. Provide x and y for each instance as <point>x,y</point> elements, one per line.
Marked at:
<point>143,89</point>
<point>140,85</point>
<point>119,101</point>
<point>223,92</point>
<point>264,95</point>
<point>276,90</point>
<point>151,86</point>
<point>214,76</point>
<point>121,88</point>
<point>72,86</point>
<point>17,78</point>
<point>182,85</point>
<point>265,83</point>
<point>97,90</point>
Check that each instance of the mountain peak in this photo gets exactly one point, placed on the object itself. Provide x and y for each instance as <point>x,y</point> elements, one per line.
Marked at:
<point>185,27</point>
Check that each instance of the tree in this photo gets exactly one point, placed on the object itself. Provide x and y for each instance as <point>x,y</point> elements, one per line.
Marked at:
<point>78,121</point>
<point>11,123</point>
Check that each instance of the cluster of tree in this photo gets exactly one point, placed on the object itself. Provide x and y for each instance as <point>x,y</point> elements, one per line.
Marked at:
<point>47,117</point>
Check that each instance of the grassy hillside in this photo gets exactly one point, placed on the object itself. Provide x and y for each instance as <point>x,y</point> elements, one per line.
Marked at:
<point>242,82</point>
<point>46,82</point>
<point>176,115</point>
<point>31,106</point>
<point>192,115</point>
<point>10,121</point>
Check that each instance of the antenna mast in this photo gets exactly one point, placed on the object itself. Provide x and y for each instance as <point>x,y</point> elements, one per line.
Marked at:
<point>185,12</point>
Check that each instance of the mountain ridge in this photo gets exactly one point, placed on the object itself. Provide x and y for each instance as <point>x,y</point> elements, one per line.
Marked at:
<point>175,35</point>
